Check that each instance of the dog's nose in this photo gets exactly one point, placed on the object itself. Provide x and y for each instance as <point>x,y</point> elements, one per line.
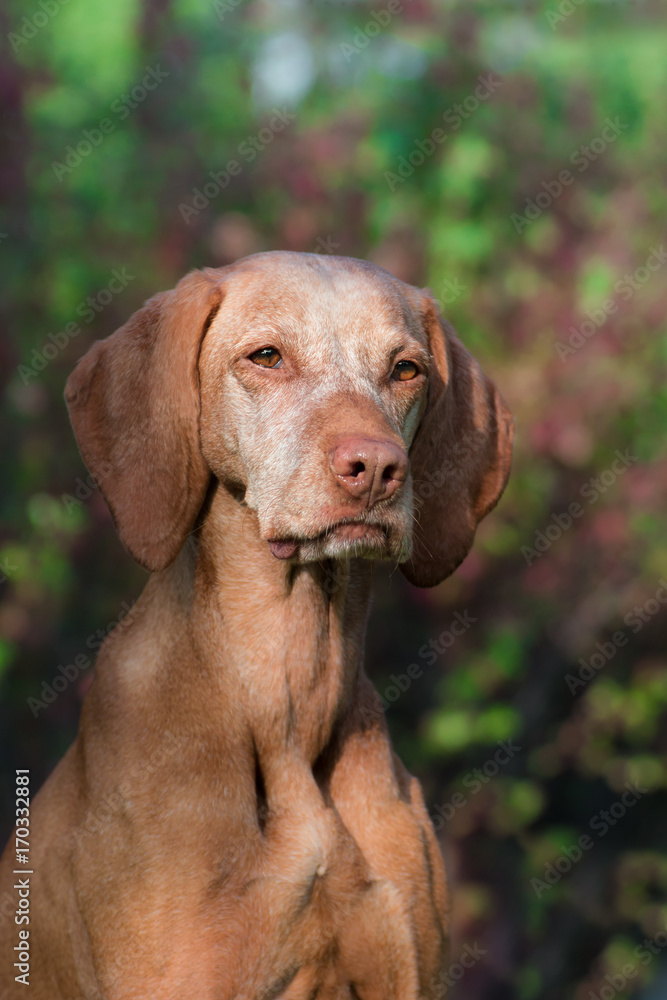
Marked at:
<point>368,469</point>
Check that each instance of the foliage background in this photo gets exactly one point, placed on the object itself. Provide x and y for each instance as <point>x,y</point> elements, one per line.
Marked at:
<point>320,183</point>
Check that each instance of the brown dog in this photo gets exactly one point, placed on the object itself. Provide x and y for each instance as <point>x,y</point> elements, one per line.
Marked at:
<point>231,822</point>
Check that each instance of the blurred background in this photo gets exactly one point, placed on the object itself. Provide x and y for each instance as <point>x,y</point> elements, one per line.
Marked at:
<point>509,155</point>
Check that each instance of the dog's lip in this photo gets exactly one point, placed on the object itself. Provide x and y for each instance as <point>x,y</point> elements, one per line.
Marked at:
<point>352,529</point>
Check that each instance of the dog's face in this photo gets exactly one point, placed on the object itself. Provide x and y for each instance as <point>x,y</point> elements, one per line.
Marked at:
<point>326,395</point>
<point>314,377</point>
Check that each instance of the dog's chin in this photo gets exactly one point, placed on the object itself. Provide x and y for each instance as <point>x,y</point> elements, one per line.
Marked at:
<point>345,541</point>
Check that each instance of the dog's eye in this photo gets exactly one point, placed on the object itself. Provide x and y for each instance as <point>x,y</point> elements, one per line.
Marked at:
<point>404,371</point>
<point>267,357</point>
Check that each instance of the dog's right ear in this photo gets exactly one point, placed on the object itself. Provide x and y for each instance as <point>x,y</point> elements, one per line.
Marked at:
<point>134,405</point>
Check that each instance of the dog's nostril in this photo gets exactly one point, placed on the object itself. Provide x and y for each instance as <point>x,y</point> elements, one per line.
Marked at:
<point>368,469</point>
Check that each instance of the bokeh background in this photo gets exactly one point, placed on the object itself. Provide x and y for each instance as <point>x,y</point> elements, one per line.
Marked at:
<point>328,109</point>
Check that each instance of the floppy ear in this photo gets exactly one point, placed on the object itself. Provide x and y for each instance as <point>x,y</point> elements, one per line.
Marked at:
<point>134,405</point>
<point>460,458</point>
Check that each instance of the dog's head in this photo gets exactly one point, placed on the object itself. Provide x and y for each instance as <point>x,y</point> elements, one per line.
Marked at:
<point>327,396</point>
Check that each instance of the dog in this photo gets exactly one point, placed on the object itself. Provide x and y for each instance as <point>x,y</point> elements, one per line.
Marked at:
<point>231,822</point>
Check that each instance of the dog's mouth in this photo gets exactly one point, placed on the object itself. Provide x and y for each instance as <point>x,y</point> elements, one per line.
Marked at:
<point>355,537</point>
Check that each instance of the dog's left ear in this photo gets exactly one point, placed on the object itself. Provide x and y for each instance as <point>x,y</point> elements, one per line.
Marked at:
<point>460,458</point>
<point>134,405</point>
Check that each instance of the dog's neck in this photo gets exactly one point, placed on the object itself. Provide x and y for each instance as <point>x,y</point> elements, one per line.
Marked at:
<point>289,639</point>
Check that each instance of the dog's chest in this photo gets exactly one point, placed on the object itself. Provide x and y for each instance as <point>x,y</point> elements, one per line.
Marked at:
<point>295,901</point>
<point>311,913</point>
